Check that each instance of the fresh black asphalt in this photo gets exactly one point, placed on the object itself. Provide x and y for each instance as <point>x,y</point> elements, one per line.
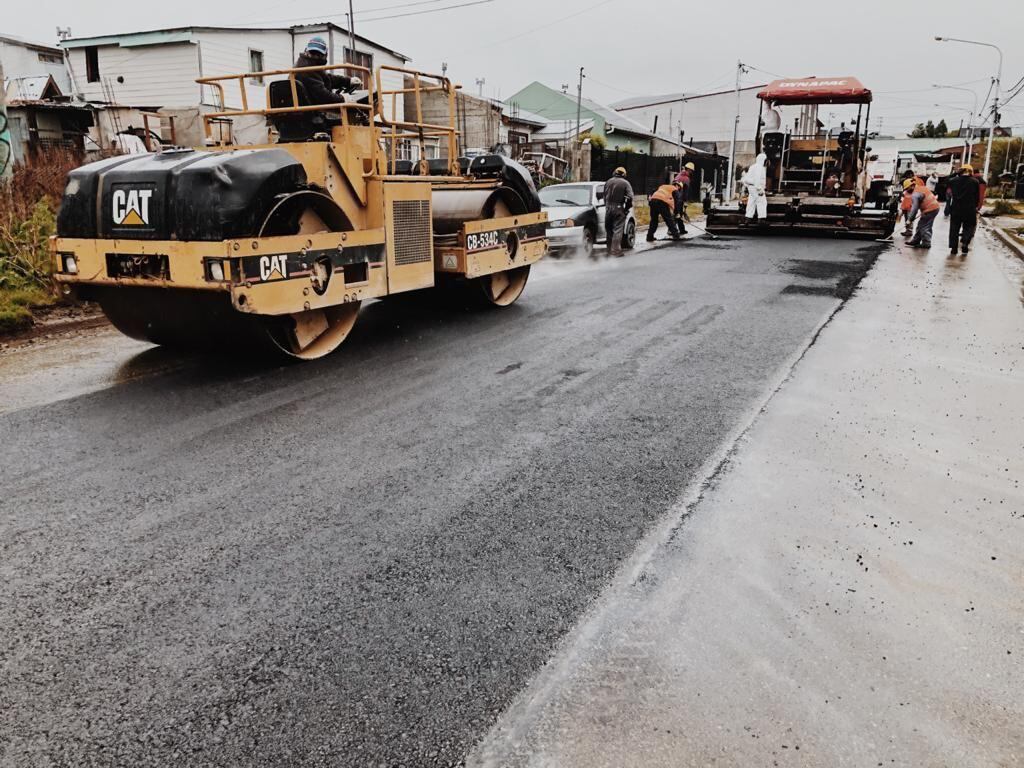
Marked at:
<point>360,561</point>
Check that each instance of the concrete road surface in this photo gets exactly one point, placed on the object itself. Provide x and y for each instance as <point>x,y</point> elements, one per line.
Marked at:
<point>362,561</point>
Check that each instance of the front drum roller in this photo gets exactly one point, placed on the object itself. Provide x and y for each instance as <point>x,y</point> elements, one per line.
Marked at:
<point>452,208</point>
<point>206,320</point>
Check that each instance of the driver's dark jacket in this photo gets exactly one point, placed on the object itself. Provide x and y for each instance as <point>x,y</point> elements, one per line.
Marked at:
<point>618,193</point>
<point>320,87</point>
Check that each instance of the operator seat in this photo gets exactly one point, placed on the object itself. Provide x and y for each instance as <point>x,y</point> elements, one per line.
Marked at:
<point>294,126</point>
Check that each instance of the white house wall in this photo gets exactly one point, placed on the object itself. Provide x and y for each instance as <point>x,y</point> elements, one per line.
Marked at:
<point>154,75</point>
<point>226,53</point>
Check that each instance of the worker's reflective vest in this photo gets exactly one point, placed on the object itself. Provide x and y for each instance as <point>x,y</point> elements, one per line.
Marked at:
<point>664,193</point>
<point>929,202</point>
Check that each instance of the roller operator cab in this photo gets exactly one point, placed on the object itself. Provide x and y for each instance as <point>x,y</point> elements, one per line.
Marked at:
<point>276,246</point>
<point>814,133</point>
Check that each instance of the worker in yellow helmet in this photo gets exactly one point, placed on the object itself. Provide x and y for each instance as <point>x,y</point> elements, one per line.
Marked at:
<point>684,182</point>
<point>663,206</point>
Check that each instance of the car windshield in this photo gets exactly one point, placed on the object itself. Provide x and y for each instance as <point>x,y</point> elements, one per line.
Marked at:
<point>560,194</point>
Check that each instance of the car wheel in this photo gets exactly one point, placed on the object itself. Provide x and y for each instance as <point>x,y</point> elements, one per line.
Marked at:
<point>629,235</point>
<point>588,243</point>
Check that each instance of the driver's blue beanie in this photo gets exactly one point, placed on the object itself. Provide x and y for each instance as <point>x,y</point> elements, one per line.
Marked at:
<point>317,45</point>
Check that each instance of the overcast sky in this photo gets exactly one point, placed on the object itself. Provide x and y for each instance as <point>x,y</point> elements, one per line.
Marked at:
<point>636,48</point>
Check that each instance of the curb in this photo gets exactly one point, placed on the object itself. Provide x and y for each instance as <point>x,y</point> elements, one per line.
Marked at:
<point>1013,243</point>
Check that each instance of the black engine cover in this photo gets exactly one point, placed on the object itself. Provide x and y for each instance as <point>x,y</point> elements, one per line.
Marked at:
<point>177,195</point>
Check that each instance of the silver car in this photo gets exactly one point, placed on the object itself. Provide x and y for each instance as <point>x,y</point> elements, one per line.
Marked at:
<point>576,217</point>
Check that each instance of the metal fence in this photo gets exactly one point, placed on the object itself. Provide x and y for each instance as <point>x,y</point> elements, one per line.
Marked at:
<point>647,172</point>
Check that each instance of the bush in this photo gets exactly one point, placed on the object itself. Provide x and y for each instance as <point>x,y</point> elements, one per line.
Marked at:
<point>1004,208</point>
<point>28,217</point>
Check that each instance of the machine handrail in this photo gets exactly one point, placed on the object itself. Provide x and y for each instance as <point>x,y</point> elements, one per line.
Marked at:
<point>418,129</point>
<point>390,129</point>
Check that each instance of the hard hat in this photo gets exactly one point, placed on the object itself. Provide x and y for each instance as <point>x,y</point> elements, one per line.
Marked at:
<point>967,167</point>
<point>908,183</point>
<point>690,167</point>
<point>620,171</point>
<point>317,45</point>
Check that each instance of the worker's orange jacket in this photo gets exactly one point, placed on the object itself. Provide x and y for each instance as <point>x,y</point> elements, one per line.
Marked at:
<point>929,202</point>
<point>664,193</point>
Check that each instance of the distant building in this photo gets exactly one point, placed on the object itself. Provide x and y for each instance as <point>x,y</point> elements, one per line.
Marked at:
<point>25,59</point>
<point>704,120</point>
<point>157,70</point>
<point>41,117</point>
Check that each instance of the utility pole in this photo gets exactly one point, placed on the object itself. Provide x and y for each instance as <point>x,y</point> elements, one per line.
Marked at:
<point>480,82</point>
<point>352,33</point>
<point>731,187</point>
<point>579,142</point>
<point>6,149</point>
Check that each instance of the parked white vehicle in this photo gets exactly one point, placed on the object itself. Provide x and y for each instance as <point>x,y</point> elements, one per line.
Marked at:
<point>576,215</point>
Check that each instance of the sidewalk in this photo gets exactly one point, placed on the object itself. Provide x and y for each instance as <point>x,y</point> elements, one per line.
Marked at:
<point>849,590</point>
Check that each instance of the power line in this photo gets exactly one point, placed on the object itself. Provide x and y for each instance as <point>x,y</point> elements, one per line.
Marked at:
<point>431,10</point>
<point>332,14</point>
<point>551,23</point>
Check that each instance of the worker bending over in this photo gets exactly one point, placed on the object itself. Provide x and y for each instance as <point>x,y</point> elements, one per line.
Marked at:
<point>663,206</point>
<point>618,199</point>
<point>927,205</point>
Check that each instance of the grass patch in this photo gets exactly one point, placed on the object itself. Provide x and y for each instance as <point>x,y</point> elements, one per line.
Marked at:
<point>1005,208</point>
<point>16,306</point>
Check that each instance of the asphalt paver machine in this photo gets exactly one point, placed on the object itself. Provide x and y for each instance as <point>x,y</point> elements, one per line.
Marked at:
<point>817,178</point>
<point>277,245</point>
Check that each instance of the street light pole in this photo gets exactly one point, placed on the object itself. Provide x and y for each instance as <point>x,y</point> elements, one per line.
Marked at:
<point>995,97</point>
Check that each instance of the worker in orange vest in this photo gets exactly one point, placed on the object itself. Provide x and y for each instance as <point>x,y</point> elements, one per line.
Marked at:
<point>663,206</point>
<point>925,203</point>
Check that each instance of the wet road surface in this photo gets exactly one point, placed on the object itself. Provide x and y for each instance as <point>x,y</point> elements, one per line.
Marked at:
<point>847,589</point>
<point>364,559</point>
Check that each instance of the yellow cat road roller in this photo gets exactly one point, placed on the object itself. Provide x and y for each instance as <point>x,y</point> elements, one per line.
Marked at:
<point>276,246</point>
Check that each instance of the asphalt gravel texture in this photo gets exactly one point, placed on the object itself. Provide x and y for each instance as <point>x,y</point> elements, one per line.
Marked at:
<point>362,560</point>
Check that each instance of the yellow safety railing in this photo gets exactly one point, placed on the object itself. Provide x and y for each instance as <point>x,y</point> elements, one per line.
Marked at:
<point>422,83</point>
<point>392,130</point>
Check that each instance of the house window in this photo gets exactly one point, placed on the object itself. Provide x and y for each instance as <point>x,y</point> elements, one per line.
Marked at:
<point>359,58</point>
<point>92,64</point>
<point>50,58</point>
<point>256,65</point>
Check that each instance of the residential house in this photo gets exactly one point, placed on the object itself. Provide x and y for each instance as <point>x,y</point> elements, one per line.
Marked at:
<point>157,70</point>
<point>40,115</point>
<point>23,58</point>
<point>619,131</point>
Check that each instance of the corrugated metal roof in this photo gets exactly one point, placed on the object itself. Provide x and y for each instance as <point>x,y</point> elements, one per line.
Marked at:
<point>26,88</point>
<point>515,112</point>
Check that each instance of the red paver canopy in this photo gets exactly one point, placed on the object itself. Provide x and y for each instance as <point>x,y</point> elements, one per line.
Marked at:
<point>817,90</point>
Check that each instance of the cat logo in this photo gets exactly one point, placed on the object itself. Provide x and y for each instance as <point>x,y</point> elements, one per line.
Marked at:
<point>131,207</point>
<point>273,268</point>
